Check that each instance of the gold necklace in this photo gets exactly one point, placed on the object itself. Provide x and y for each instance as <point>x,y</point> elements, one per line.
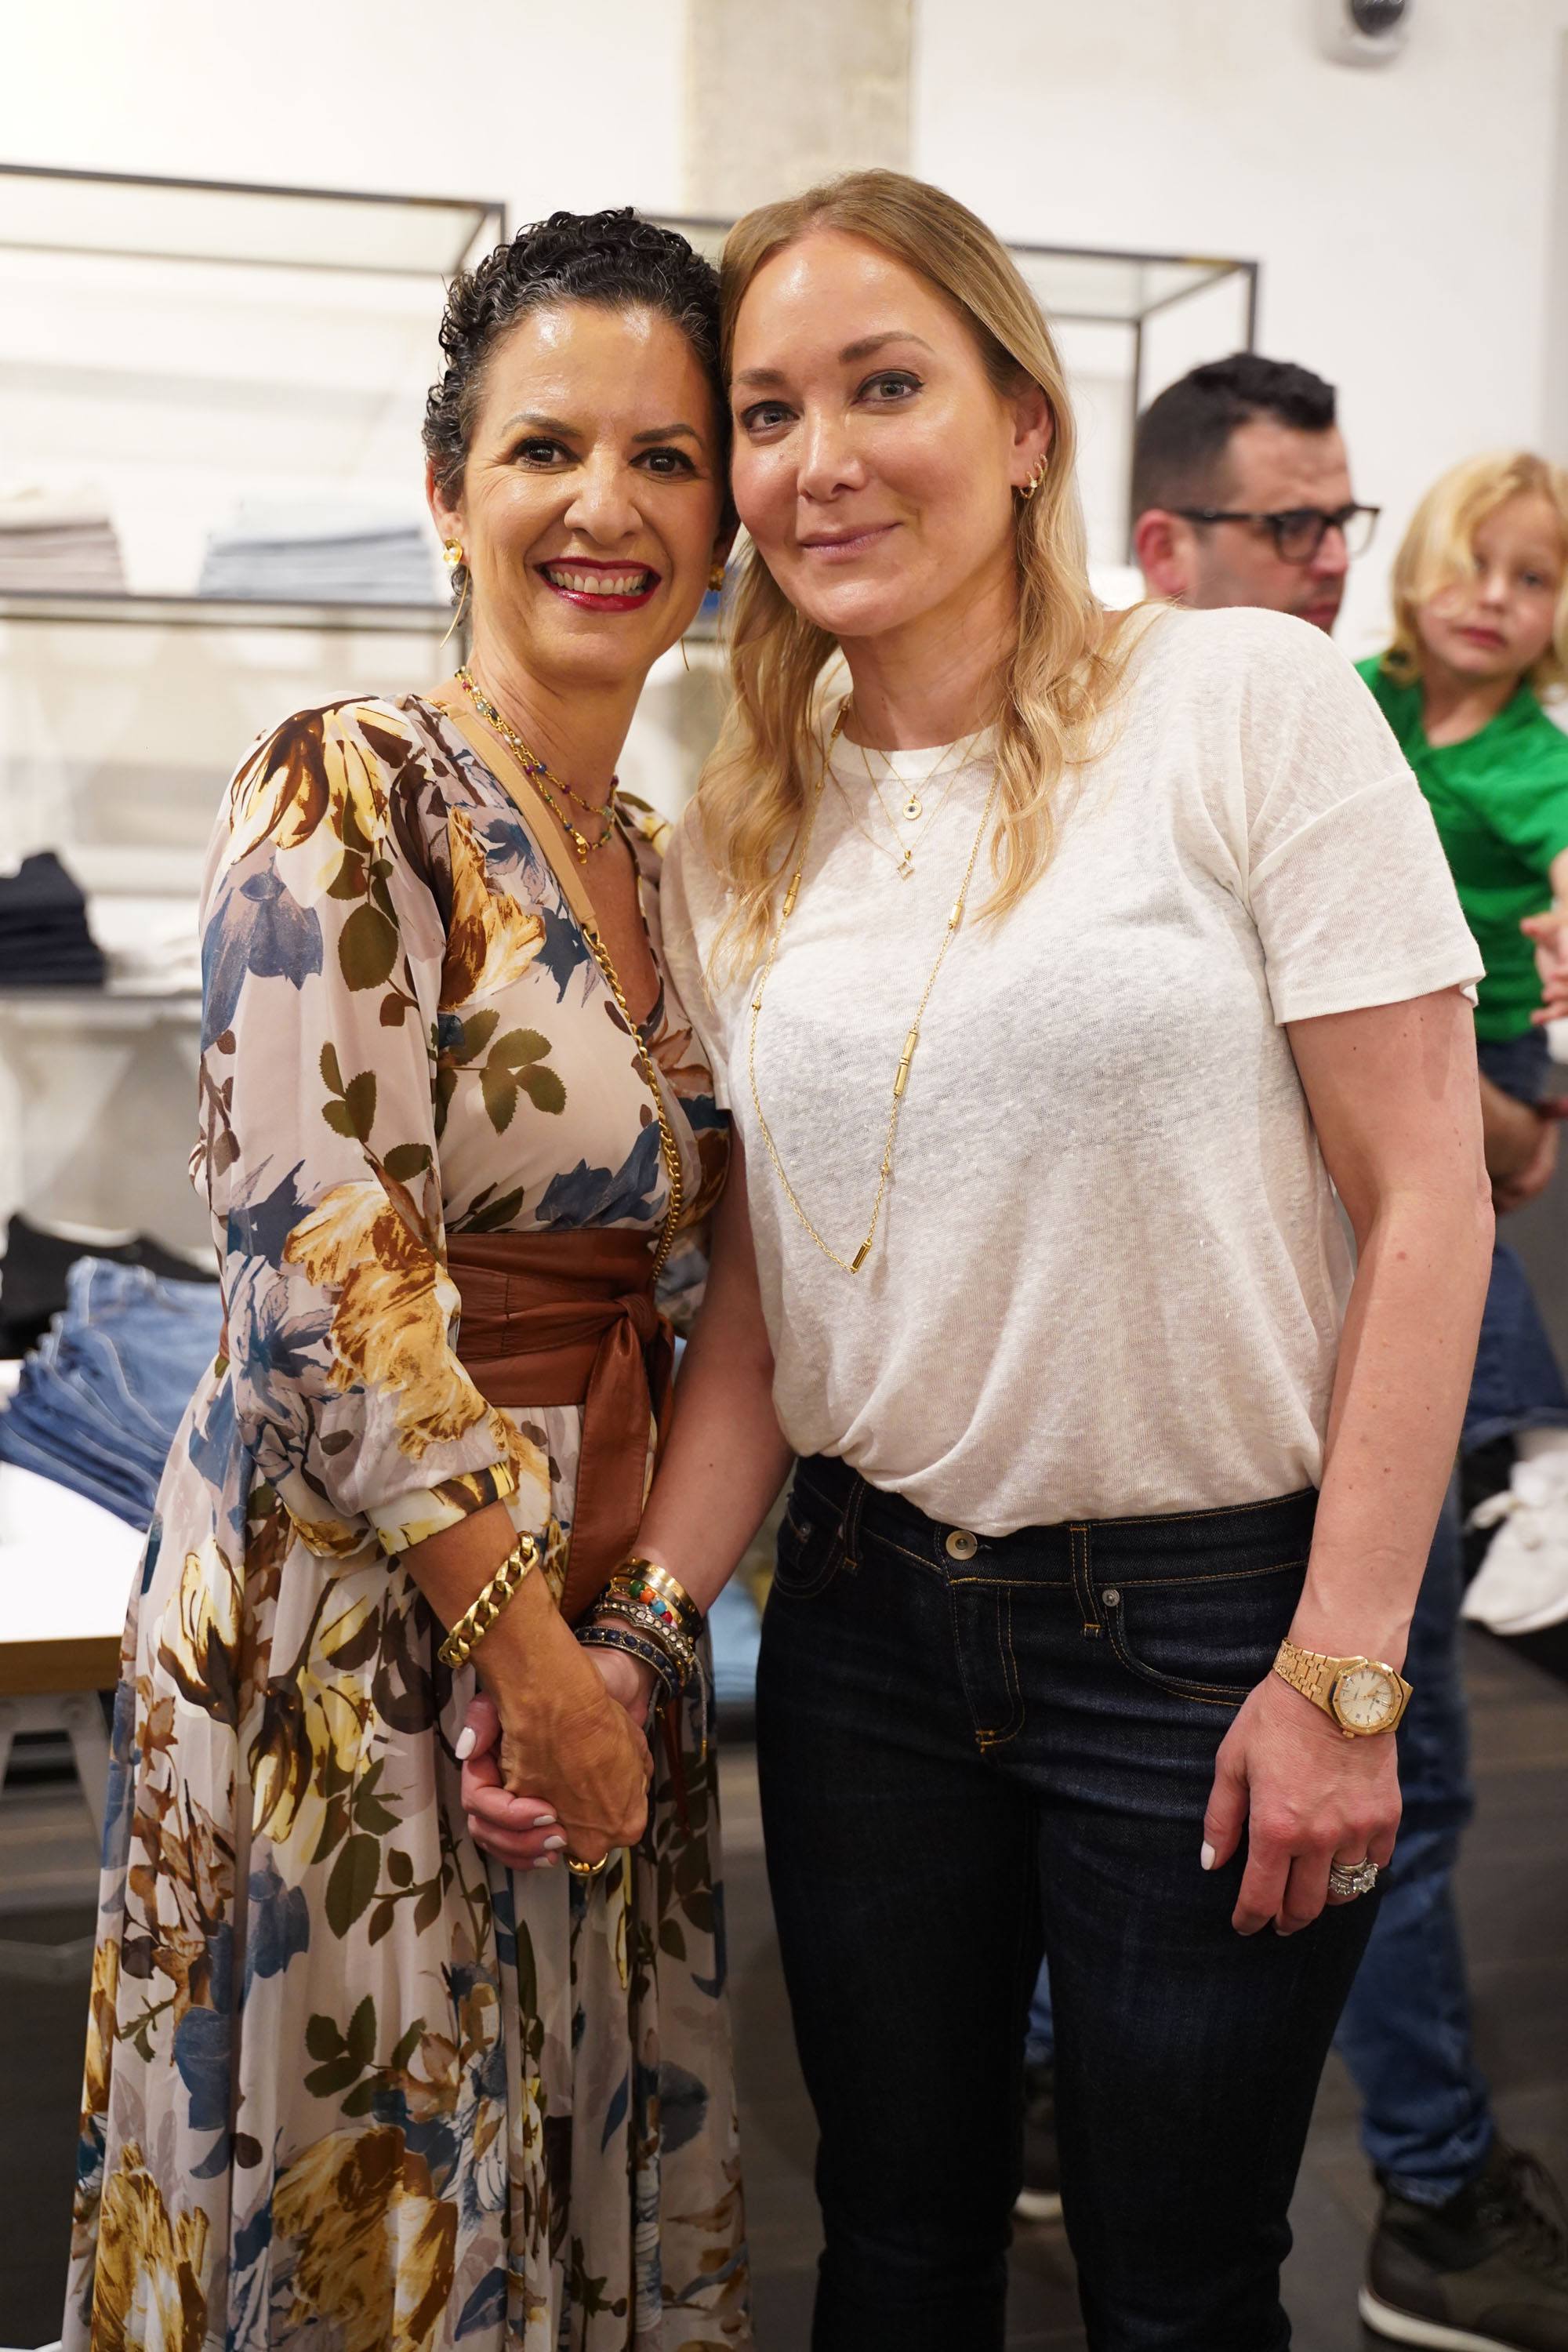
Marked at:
<point>902,1079</point>
<point>905,862</point>
<point>542,777</point>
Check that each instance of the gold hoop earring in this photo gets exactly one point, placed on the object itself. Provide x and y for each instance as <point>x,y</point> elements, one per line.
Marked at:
<point>451,553</point>
<point>716,579</point>
<point>1027,490</point>
<point>685,665</point>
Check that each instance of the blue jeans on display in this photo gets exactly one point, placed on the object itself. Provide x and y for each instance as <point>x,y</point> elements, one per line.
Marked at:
<point>968,1752</point>
<point>102,1394</point>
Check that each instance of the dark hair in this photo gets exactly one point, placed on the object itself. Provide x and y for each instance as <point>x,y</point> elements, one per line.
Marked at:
<point>613,258</point>
<point>1182,437</point>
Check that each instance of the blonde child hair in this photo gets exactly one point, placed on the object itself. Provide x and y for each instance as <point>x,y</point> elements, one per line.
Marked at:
<point>1437,552</point>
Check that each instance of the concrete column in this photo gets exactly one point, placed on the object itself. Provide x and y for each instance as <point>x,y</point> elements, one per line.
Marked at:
<point>779,97</point>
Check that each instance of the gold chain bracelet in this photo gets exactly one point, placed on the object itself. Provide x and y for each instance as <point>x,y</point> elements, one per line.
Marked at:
<point>477,1620</point>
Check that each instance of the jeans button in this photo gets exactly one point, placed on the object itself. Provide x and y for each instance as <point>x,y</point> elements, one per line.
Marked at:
<point>1110,1596</point>
<point>962,1544</point>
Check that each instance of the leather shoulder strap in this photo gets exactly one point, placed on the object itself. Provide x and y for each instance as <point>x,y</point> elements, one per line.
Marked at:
<point>502,764</point>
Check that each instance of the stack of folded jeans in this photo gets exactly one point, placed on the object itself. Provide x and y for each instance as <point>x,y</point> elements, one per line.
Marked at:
<point>58,546</point>
<point>303,555</point>
<point>36,1269</point>
<point>44,939</point>
<point>99,1399</point>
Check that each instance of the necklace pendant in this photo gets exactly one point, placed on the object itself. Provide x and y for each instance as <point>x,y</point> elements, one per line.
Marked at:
<point>906,867</point>
<point>912,809</point>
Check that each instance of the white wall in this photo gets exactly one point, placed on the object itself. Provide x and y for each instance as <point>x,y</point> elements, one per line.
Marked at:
<point>540,105</point>
<point>1401,214</point>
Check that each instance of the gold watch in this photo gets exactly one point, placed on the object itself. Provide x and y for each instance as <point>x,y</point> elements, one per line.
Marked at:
<point>1362,1696</point>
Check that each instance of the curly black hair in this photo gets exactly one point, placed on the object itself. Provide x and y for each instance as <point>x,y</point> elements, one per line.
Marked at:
<point>613,258</point>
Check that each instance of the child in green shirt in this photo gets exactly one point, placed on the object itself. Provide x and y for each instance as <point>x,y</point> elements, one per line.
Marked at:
<point>1480,597</point>
<point>1480,602</point>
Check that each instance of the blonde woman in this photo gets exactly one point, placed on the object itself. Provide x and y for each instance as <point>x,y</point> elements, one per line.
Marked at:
<point>1050,972</point>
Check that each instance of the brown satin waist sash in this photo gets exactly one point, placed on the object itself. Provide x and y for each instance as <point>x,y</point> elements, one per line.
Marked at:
<point>569,1318</point>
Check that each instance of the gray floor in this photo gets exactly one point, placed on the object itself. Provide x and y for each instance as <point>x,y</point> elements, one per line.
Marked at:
<point>1514,1889</point>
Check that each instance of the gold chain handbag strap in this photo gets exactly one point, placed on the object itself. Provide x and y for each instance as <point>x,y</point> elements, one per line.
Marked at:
<point>496,755</point>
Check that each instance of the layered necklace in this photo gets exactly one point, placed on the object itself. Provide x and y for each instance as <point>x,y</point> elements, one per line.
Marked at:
<point>906,1059</point>
<point>543,779</point>
<point>901,856</point>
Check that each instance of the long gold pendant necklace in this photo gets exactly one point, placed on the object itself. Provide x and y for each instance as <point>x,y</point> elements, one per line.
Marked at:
<point>906,1059</point>
<point>543,779</point>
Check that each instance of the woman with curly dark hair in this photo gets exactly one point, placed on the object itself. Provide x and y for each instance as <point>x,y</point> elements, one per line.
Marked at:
<point>350,2081</point>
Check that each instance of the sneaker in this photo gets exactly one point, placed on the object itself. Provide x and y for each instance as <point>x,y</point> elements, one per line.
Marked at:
<point>1487,2272</point>
<point>1040,2198</point>
<point>1521,1585</point>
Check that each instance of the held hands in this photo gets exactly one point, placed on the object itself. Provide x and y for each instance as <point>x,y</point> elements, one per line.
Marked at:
<point>531,1831</point>
<point>1306,1796</point>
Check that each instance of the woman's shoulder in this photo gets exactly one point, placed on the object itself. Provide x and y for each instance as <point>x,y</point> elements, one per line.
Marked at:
<point>360,766</point>
<point>1236,642</point>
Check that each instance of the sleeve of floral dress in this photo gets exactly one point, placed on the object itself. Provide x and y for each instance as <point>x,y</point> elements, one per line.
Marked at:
<point>322,947</point>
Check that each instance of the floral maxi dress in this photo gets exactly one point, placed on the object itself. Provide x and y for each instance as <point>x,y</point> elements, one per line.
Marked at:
<point>349,2085</point>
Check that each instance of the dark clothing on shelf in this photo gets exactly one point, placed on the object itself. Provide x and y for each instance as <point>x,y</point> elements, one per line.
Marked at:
<point>101,1397</point>
<point>1030,1725</point>
<point>44,939</point>
<point>34,1269</point>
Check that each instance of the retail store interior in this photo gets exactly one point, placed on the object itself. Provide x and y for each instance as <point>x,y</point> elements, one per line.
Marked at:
<point>224,247</point>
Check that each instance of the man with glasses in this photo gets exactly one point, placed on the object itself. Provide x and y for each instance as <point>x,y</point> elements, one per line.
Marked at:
<point>1242,496</point>
<point>1241,491</point>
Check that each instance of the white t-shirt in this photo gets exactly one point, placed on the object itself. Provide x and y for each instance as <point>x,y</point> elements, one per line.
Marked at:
<point>1110,1272</point>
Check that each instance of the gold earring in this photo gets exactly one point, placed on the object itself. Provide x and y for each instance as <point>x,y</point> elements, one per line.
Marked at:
<point>451,553</point>
<point>716,579</point>
<point>1027,490</point>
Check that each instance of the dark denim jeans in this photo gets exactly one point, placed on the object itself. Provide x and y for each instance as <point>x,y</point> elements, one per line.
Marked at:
<point>1517,1383</point>
<point>1426,2120</point>
<point>961,1749</point>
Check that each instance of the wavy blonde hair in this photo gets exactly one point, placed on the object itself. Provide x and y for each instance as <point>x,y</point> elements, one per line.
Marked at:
<point>1062,674</point>
<point>1439,551</point>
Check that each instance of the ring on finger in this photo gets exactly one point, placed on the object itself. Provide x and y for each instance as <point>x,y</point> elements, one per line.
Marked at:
<point>589,1869</point>
<point>1349,1879</point>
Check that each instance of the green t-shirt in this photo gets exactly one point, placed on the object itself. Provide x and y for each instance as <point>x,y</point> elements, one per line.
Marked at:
<point>1500,803</point>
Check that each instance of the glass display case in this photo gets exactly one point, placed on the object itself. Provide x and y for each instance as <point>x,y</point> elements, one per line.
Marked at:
<point>212,512</point>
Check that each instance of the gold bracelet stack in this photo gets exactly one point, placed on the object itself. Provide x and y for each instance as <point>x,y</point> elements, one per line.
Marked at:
<point>477,1620</point>
<point>656,1605</point>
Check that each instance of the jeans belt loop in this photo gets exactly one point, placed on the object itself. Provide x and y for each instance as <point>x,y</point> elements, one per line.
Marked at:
<point>1077,1538</point>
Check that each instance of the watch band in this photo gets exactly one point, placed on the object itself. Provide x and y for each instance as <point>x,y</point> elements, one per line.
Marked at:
<point>1311,1672</point>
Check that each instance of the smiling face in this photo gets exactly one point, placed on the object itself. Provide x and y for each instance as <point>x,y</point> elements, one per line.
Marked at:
<point>875,463</point>
<point>591,495</point>
<point>1498,622</point>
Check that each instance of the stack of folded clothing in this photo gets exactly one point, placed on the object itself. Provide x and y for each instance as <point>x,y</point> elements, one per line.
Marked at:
<point>306,555</point>
<point>36,1269</point>
<point>44,939</point>
<point>101,1399</point>
<point>58,546</point>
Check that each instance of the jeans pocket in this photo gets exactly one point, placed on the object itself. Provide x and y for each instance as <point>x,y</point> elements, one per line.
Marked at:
<point>811,1547</point>
<point>1210,1639</point>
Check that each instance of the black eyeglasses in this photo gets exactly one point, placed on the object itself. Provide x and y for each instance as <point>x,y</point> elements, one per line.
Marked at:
<point>1298,532</point>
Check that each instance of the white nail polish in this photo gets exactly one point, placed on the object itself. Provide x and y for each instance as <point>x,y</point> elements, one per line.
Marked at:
<point>1206,1856</point>
<point>544,1821</point>
<point>465,1743</point>
<point>545,1862</point>
<point>555,1845</point>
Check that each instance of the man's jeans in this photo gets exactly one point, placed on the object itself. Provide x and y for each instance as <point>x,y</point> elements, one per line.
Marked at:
<point>102,1396</point>
<point>1426,2121</point>
<point>957,1736</point>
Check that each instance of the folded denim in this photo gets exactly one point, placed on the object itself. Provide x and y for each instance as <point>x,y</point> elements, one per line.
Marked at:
<point>101,1397</point>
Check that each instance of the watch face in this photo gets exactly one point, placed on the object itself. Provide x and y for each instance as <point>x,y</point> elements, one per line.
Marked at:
<point>1366,1698</point>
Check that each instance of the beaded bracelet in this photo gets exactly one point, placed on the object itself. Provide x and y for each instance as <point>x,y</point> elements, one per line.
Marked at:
<point>681,1652</point>
<point>633,1645</point>
<point>477,1620</point>
<point>654,1588</point>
